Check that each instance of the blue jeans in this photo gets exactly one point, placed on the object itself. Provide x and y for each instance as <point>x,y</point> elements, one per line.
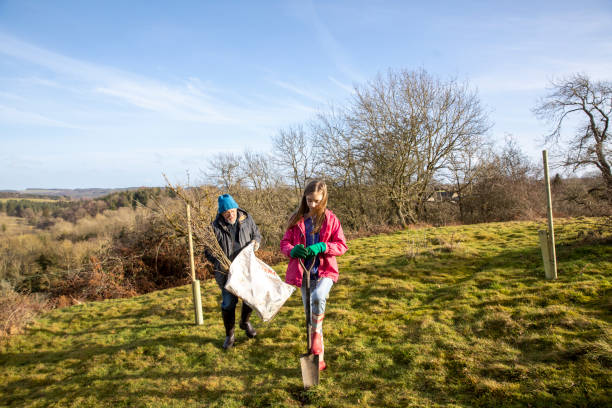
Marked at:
<point>228,300</point>
<point>319,292</point>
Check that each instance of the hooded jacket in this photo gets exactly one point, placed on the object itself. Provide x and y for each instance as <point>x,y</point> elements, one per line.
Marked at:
<point>248,232</point>
<point>331,233</point>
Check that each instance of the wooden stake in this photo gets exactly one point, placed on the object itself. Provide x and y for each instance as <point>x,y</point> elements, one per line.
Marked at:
<point>191,263</point>
<point>195,284</point>
<point>551,231</point>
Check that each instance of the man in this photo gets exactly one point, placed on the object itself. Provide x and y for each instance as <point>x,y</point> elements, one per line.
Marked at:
<point>234,229</point>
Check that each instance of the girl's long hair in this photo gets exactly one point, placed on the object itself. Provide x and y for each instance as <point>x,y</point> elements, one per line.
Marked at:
<point>314,186</point>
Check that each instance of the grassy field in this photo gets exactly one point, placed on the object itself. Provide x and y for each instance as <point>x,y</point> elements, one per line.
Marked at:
<point>38,200</point>
<point>454,317</point>
<point>13,225</point>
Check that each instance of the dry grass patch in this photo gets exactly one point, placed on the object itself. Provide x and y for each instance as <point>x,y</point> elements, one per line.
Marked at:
<point>10,226</point>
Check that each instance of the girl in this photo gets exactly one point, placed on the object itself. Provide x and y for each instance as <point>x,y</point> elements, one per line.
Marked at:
<point>315,235</point>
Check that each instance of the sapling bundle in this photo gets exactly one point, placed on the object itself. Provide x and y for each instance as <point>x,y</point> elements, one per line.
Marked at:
<point>202,201</point>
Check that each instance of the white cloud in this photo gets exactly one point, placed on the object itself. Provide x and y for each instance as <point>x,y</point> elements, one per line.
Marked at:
<point>502,82</point>
<point>299,91</point>
<point>537,77</point>
<point>16,116</point>
<point>174,103</point>
<point>347,88</point>
<point>328,42</point>
<point>190,100</point>
<point>6,95</point>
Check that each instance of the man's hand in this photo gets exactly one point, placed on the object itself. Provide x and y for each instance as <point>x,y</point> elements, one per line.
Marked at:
<point>256,246</point>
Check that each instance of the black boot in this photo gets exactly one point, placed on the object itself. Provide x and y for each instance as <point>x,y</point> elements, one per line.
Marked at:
<point>229,320</point>
<point>245,325</point>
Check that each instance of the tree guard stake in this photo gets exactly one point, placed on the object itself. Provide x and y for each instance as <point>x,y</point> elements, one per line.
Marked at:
<point>195,284</point>
<point>547,238</point>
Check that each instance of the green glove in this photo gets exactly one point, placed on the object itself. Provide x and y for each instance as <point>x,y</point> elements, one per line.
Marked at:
<point>316,249</point>
<point>299,251</point>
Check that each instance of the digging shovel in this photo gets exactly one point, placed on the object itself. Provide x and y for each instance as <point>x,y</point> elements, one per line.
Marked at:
<point>309,362</point>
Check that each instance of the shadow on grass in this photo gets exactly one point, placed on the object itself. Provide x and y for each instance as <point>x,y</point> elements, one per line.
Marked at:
<point>375,351</point>
<point>110,330</point>
<point>91,351</point>
<point>258,361</point>
<point>114,387</point>
<point>444,279</point>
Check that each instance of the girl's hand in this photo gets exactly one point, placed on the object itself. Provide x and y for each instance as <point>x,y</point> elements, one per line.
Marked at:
<point>299,251</point>
<point>316,249</point>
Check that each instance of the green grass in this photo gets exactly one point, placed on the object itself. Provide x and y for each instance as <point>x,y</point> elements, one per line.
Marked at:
<point>455,317</point>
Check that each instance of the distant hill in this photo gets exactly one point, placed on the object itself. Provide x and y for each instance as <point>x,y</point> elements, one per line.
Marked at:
<point>74,194</point>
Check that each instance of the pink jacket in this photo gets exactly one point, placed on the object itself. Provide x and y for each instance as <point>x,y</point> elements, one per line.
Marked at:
<point>331,233</point>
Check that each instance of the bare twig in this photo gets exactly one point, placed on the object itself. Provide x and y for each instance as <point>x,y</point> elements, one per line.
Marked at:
<point>202,202</point>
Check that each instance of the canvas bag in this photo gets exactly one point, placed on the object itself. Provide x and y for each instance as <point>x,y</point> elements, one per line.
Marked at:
<point>257,284</point>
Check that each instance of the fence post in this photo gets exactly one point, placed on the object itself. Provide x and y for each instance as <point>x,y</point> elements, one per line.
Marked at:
<point>550,239</point>
<point>195,284</point>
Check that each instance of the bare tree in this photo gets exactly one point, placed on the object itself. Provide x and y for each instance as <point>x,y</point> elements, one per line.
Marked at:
<point>341,161</point>
<point>505,186</point>
<point>463,165</point>
<point>589,102</point>
<point>224,170</point>
<point>258,171</point>
<point>294,154</point>
<point>337,147</point>
<point>407,124</point>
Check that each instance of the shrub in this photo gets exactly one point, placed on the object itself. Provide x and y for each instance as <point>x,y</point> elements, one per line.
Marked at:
<point>17,310</point>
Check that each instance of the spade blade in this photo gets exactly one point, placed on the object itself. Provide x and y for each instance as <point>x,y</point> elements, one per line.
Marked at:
<point>310,369</point>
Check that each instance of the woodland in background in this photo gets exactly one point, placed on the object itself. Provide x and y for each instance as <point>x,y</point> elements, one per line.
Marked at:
<point>408,149</point>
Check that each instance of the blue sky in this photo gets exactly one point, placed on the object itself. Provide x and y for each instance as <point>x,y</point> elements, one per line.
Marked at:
<point>113,93</point>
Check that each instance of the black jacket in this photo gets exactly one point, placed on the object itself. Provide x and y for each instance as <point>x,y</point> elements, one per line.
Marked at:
<point>248,232</point>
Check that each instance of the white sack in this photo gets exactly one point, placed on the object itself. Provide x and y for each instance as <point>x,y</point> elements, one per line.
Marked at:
<point>257,284</point>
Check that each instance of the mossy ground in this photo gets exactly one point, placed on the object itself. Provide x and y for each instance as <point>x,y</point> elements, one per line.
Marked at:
<point>456,316</point>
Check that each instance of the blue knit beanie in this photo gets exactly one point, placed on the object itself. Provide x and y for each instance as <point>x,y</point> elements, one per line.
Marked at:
<point>226,202</point>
